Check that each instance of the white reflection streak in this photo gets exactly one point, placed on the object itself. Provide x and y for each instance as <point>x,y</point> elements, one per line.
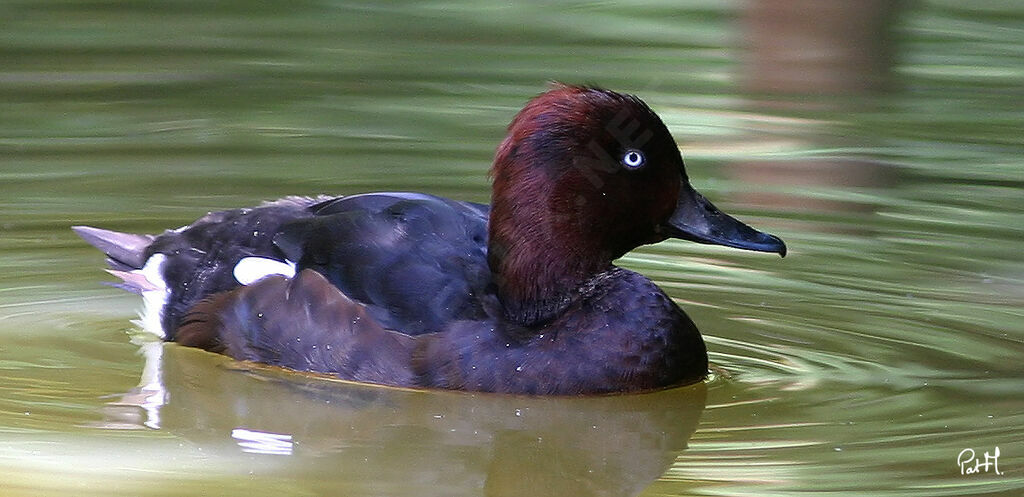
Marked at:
<point>151,391</point>
<point>149,396</point>
<point>261,442</point>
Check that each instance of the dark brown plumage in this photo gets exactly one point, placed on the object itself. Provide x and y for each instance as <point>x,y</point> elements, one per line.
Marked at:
<point>415,290</point>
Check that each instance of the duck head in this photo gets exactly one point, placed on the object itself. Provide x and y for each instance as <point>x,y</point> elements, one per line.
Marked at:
<point>583,176</point>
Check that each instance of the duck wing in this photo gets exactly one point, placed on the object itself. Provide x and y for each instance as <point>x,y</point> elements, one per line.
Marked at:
<point>418,262</point>
<point>303,323</point>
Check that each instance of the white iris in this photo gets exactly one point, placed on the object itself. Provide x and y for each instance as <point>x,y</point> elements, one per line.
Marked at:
<point>633,158</point>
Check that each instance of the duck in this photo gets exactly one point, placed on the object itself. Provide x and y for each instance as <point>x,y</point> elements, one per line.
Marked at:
<point>414,290</point>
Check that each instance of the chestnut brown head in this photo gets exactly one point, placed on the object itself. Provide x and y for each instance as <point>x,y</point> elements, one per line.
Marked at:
<point>584,176</point>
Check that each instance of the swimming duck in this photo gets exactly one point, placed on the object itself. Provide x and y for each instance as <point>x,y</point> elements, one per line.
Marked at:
<point>415,290</point>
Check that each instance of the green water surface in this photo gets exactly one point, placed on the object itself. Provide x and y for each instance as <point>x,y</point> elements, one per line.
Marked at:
<point>887,342</point>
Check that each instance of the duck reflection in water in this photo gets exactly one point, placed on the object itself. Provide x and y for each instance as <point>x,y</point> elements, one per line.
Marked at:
<point>332,435</point>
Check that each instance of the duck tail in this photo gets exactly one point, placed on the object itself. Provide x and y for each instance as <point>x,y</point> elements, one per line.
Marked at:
<point>139,273</point>
<point>125,251</point>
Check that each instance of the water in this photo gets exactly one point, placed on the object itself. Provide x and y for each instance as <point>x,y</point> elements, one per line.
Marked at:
<point>862,364</point>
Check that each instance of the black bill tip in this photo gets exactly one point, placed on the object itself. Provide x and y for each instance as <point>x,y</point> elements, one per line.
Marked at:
<point>696,219</point>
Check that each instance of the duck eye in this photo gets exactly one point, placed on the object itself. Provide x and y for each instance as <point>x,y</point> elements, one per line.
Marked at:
<point>633,159</point>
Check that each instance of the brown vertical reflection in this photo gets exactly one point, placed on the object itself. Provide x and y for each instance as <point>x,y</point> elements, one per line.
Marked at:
<point>821,56</point>
<point>802,177</point>
<point>817,46</point>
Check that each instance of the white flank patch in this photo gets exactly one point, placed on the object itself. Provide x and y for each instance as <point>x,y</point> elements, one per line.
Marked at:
<point>153,300</point>
<point>251,269</point>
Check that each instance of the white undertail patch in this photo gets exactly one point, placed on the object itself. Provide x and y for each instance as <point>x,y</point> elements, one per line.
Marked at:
<point>251,269</point>
<point>154,298</point>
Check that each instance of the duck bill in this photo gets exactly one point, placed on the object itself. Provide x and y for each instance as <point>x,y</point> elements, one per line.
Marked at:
<point>698,220</point>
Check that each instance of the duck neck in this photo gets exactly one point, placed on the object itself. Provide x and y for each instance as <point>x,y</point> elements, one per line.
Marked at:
<point>540,265</point>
